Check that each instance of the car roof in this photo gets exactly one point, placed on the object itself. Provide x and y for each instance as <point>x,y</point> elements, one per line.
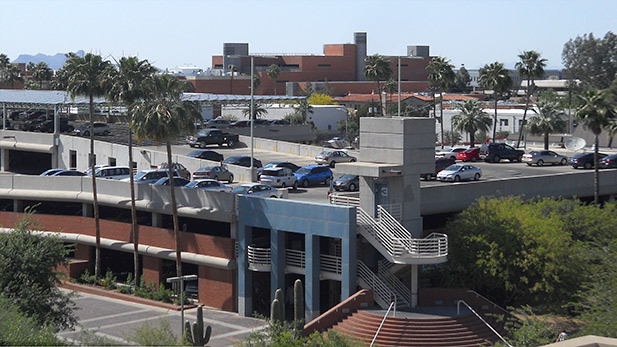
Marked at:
<point>313,166</point>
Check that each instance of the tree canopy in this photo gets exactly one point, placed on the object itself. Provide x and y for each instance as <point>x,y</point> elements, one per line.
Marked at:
<point>591,60</point>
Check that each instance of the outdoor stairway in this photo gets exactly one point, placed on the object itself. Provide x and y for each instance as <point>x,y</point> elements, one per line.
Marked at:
<point>465,330</point>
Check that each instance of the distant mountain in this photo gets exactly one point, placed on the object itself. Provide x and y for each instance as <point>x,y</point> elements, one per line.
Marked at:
<point>55,62</point>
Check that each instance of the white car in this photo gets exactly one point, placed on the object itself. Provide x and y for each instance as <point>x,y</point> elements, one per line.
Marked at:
<point>256,189</point>
<point>460,172</point>
<point>451,153</point>
<point>331,157</point>
<point>280,177</point>
<point>209,184</point>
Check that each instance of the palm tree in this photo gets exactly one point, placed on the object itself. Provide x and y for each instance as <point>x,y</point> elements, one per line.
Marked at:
<point>40,72</point>
<point>531,66</point>
<point>441,75</point>
<point>596,113</point>
<point>547,120</point>
<point>233,69</point>
<point>494,77</point>
<point>126,85</point>
<point>84,77</point>
<point>163,115</point>
<point>273,72</point>
<point>471,118</point>
<point>377,69</point>
<point>4,64</point>
<point>304,108</point>
<point>611,131</point>
<point>258,111</point>
<point>13,74</point>
<point>391,87</point>
<point>256,82</point>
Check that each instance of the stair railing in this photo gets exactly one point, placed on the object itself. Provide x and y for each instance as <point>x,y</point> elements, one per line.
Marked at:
<point>382,321</point>
<point>379,287</point>
<point>398,287</point>
<point>458,312</point>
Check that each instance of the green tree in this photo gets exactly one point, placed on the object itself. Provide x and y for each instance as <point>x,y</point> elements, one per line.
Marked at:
<point>390,87</point>
<point>496,78</point>
<point>590,60</point>
<point>256,82</point>
<point>530,66</point>
<point>4,63</point>
<point>596,113</point>
<point>320,99</point>
<point>16,329</point>
<point>40,72</point>
<point>548,119</point>
<point>441,75</point>
<point>84,76</point>
<point>377,69</point>
<point>461,79</point>
<point>259,110</point>
<point>126,84</point>
<point>303,108</point>
<point>28,277</point>
<point>163,115</point>
<point>273,72</point>
<point>13,74</point>
<point>471,118</point>
<point>528,330</point>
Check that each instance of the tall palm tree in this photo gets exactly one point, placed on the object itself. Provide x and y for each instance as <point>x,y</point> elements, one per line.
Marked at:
<point>163,115</point>
<point>441,75</point>
<point>611,131</point>
<point>13,74</point>
<point>258,111</point>
<point>496,78</point>
<point>303,108</point>
<point>40,72</point>
<point>377,69</point>
<point>4,64</point>
<point>84,77</point>
<point>596,113</point>
<point>273,72</point>
<point>126,84</point>
<point>390,87</point>
<point>547,120</point>
<point>530,66</point>
<point>471,118</point>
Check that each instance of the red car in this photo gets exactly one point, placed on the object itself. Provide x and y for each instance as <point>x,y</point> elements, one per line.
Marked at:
<point>440,164</point>
<point>471,154</point>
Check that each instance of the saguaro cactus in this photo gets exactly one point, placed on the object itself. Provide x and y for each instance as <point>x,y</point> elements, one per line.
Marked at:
<point>275,311</point>
<point>299,304</point>
<point>278,295</point>
<point>197,337</point>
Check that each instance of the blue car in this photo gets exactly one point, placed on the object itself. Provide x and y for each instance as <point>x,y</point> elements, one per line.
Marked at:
<point>313,174</point>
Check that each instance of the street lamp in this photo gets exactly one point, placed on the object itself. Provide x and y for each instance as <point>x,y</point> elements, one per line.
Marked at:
<point>399,85</point>
<point>252,116</point>
<point>180,280</point>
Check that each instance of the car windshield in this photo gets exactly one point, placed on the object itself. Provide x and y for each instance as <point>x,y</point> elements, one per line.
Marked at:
<point>232,160</point>
<point>272,164</point>
<point>303,171</point>
<point>470,150</point>
<point>347,177</point>
<point>325,153</point>
<point>194,154</point>
<point>240,190</point>
<point>454,167</point>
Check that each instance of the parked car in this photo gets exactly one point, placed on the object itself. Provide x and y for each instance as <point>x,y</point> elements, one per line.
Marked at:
<point>494,152</point>
<point>460,172</point>
<point>585,160</point>
<point>609,162</point>
<point>206,154</point>
<point>47,126</point>
<point>89,169</point>
<point>544,157</point>
<point>209,184</point>
<point>219,173</point>
<point>440,164</point>
<point>470,154</point>
<point>278,122</point>
<point>207,137</point>
<point>150,176</point>
<point>331,157</point>
<point>451,153</point>
<point>347,182</point>
<point>256,189</point>
<point>241,124</point>
<point>33,124</point>
<point>178,181</point>
<point>99,129</point>
<point>313,174</point>
<point>243,160</point>
<point>181,169</point>
<point>68,173</point>
<point>113,172</point>
<point>293,167</point>
<point>280,177</point>
<point>217,123</point>
<point>50,172</point>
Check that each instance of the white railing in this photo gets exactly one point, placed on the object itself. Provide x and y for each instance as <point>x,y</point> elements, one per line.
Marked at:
<point>402,292</point>
<point>295,258</point>
<point>396,210</point>
<point>458,312</point>
<point>259,258</point>
<point>385,237</point>
<point>382,292</point>
<point>331,263</point>
<point>393,304</point>
<point>347,200</point>
<point>395,227</point>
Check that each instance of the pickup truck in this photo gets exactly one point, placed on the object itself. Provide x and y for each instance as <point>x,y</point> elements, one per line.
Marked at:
<point>212,136</point>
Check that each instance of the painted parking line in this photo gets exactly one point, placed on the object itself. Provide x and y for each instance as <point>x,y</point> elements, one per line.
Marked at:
<point>113,316</point>
<point>239,332</point>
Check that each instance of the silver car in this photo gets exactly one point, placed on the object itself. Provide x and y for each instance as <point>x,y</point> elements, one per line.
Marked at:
<point>280,177</point>
<point>544,157</point>
<point>99,129</point>
<point>256,189</point>
<point>209,184</point>
<point>331,157</point>
<point>460,172</point>
<point>219,173</point>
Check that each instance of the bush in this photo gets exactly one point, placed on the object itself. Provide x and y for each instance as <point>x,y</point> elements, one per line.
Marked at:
<point>18,330</point>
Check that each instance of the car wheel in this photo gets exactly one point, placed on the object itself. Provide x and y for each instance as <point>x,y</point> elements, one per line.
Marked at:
<point>476,177</point>
<point>273,196</point>
<point>353,160</point>
<point>295,186</point>
<point>496,159</point>
<point>563,161</point>
<point>216,178</point>
<point>352,187</point>
<point>283,185</point>
<point>474,159</point>
<point>587,165</point>
<point>231,143</point>
<point>540,162</point>
<point>105,133</point>
<point>231,179</point>
<point>305,183</point>
<point>327,181</point>
<point>528,164</point>
<point>86,133</point>
<point>457,178</point>
<point>202,144</point>
<point>332,164</point>
<point>519,158</point>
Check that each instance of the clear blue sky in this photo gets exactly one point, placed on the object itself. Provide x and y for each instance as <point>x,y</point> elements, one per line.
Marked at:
<point>180,32</point>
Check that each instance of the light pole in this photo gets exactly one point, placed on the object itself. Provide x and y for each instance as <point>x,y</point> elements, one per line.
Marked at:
<point>252,116</point>
<point>399,85</point>
<point>180,280</point>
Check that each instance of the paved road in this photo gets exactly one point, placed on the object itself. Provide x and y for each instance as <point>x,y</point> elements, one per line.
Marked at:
<point>117,320</point>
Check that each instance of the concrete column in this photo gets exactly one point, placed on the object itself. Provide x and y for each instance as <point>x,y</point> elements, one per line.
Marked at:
<point>18,205</point>
<point>349,259</point>
<point>311,295</point>
<point>245,277</point>
<point>233,230</point>
<point>4,160</point>
<point>87,210</point>
<point>277,262</point>
<point>414,285</point>
<point>152,269</point>
<point>157,220</point>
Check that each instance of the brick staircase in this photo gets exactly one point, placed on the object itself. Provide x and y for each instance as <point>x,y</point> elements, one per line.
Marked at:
<point>464,330</point>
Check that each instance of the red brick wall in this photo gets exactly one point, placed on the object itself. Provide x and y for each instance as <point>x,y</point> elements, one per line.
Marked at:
<point>152,268</point>
<point>216,288</point>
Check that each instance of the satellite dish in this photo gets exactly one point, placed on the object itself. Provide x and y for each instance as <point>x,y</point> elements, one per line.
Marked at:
<point>575,144</point>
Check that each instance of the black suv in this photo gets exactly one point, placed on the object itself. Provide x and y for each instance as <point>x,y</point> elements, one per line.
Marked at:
<point>494,152</point>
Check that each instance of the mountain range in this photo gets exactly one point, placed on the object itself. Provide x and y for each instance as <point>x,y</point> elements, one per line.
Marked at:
<point>55,62</point>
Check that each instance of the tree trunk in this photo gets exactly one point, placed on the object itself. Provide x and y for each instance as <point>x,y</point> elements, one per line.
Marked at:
<point>495,122</point>
<point>596,173</point>
<point>441,117</point>
<point>95,201</point>
<point>174,210</point>
<point>134,230</point>
<point>520,130</point>
<point>546,141</point>
<point>379,96</point>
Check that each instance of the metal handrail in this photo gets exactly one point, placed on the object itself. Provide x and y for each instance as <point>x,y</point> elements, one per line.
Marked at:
<point>397,286</point>
<point>458,312</point>
<point>382,321</point>
<point>488,300</point>
<point>379,287</point>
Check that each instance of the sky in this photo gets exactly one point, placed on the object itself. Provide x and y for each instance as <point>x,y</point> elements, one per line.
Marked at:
<point>189,32</point>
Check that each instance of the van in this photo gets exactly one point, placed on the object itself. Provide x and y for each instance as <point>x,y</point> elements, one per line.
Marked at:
<point>113,172</point>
